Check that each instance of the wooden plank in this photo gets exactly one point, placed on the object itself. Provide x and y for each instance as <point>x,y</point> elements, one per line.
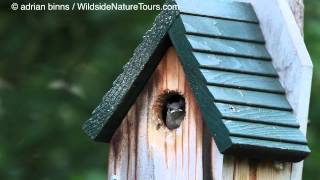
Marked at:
<point>222,9</point>
<point>235,64</point>
<point>184,141</point>
<point>254,114</point>
<point>230,47</point>
<point>142,164</point>
<point>222,28</point>
<point>242,81</point>
<point>228,167</point>
<point>216,161</point>
<point>119,166</point>
<point>251,98</point>
<point>131,142</point>
<point>267,132</point>
<point>242,169</point>
<point>212,158</point>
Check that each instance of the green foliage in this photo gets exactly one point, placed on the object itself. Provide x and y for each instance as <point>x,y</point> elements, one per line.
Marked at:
<point>312,38</point>
<point>54,69</point>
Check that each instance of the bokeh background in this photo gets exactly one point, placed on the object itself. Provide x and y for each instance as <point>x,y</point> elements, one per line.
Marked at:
<point>54,69</point>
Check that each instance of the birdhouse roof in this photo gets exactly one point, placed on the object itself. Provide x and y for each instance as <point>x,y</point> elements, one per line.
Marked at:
<point>223,54</point>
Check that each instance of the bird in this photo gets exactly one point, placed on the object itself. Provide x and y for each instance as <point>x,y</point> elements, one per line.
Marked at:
<point>175,114</point>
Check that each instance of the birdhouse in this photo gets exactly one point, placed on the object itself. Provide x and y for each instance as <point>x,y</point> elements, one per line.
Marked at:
<point>215,90</point>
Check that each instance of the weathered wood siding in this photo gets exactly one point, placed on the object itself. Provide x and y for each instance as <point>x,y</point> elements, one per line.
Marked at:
<point>143,148</point>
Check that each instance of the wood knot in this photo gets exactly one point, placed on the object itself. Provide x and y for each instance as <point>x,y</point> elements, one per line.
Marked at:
<point>279,166</point>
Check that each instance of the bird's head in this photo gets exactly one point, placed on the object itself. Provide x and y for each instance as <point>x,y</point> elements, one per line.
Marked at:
<point>176,109</point>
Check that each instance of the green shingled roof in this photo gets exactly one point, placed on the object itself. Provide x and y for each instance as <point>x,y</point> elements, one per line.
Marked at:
<point>223,53</point>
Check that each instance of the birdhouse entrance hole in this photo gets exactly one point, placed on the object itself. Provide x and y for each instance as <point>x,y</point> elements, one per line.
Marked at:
<point>171,109</point>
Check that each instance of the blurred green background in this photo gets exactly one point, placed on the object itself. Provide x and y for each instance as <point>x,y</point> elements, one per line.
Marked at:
<point>54,69</point>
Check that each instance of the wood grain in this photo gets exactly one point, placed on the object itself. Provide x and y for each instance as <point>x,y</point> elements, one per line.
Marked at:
<point>143,148</point>
<point>228,168</point>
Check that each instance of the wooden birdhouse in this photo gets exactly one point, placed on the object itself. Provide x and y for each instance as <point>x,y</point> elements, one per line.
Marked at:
<point>215,90</point>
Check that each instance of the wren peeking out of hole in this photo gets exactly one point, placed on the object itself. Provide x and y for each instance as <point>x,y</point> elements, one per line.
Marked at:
<point>172,109</point>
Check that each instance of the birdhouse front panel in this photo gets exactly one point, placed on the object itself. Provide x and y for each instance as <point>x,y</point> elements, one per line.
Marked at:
<point>145,145</point>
